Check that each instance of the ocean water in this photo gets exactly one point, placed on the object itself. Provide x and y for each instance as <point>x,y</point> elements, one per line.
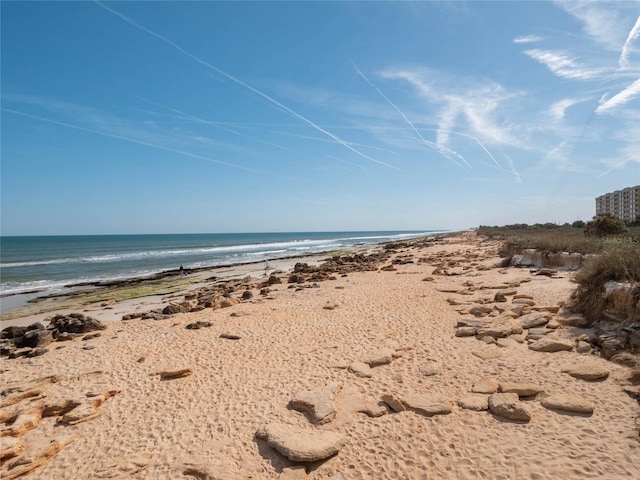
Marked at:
<point>50,263</point>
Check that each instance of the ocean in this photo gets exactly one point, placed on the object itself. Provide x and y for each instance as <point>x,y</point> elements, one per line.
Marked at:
<point>52,263</point>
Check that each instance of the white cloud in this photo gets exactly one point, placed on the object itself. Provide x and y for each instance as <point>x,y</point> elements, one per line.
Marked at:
<point>528,39</point>
<point>627,48</point>
<point>559,108</point>
<point>620,98</point>
<point>562,65</point>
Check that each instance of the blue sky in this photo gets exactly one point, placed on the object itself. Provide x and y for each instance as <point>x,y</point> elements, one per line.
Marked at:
<point>163,117</point>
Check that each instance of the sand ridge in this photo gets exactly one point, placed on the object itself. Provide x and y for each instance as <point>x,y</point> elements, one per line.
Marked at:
<point>290,343</point>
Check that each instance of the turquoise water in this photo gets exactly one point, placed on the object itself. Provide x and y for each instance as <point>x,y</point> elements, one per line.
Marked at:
<point>53,262</point>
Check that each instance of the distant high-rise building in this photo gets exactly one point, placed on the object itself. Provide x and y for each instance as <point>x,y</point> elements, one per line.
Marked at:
<point>624,204</point>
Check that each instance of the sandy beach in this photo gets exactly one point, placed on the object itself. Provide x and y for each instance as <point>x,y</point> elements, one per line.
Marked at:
<point>368,362</point>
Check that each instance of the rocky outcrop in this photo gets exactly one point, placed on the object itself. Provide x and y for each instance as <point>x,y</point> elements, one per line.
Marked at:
<point>535,258</point>
<point>301,445</point>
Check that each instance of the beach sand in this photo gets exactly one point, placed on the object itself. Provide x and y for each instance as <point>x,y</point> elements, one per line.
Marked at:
<point>203,425</point>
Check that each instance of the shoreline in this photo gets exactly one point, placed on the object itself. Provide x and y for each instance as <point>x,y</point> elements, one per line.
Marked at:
<point>405,393</point>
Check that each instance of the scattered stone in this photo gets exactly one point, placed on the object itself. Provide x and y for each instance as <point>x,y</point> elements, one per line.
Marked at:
<point>485,385</point>
<point>374,409</point>
<point>394,403</point>
<point>361,369</point>
<point>568,402</point>
<point>198,325</point>
<point>171,374</point>
<point>75,323</point>
<point>294,473</point>
<point>34,338</point>
<point>318,404</point>
<point>507,342</point>
<point>589,372</point>
<point>466,331</point>
<point>523,301</point>
<point>431,368</point>
<point>230,336</point>
<point>494,330</point>
<point>508,406</point>
<point>247,295</point>
<point>475,402</point>
<point>547,344</point>
<point>583,347</point>
<point>381,357</point>
<point>301,446</point>
<point>91,336</point>
<point>521,389</point>
<point>480,311</point>
<point>428,404</point>
<point>534,319</point>
<point>330,306</point>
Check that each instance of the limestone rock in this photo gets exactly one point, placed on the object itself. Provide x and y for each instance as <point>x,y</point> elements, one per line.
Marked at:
<point>466,331</point>
<point>381,357</point>
<point>485,385</point>
<point>547,344</point>
<point>11,447</point>
<point>294,473</point>
<point>534,319</point>
<point>27,463</point>
<point>521,389</point>
<point>494,330</point>
<point>568,402</point>
<point>171,374</point>
<point>301,446</point>
<point>75,323</point>
<point>431,368</point>
<point>508,406</point>
<point>360,369</point>
<point>474,401</point>
<point>394,403</point>
<point>24,421</point>
<point>318,404</point>
<point>487,353</point>
<point>428,404</point>
<point>589,372</point>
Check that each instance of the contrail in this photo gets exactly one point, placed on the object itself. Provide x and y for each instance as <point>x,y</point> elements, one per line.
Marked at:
<point>436,147</point>
<point>132,140</point>
<point>245,85</point>
<point>193,118</point>
<point>626,48</point>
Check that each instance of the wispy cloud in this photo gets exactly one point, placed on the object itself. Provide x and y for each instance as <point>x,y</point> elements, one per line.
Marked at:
<point>128,139</point>
<point>559,108</point>
<point>627,48</point>
<point>245,85</point>
<point>528,39</point>
<point>620,98</point>
<point>440,148</point>
<point>562,65</point>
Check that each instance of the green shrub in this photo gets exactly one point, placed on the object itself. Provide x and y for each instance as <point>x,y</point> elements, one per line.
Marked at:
<point>604,225</point>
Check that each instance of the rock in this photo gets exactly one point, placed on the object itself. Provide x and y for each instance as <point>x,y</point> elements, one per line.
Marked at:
<point>330,306</point>
<point>374,409</point>
<point>480,311</point>
<point>27,463</point>
<point>534,319</point>
<point>466,331</point>
<point>75,323</point>
<point>589,372</point>
<point>475,402</point>
<point>508,406</point>
<point>23,422</point>
<point>171,374</point>
<point>381,357</point>
<point>301,446</point>
<point>523,301</point>
<point>198,325</point>
<point>568,402</point>
<point>547,344</point>
<point>11,447</point>
<point>394,403</point>
<point>494,330</point>
<point>428,404</point>
<point>487,353</point>
<point>583,347</point>
<point>361,369</point>
<point>317,404</point>
<point>87,408</point>
<point>34,338</point>
<point>431,368</point>
<point>470,322</point>
<point>13,332</point>
<point>230,336</point>
<point>521,389</point>
<point>507,342</point>
<point>247,295</point>
<point>485,385</point>
<point>294,473</point>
